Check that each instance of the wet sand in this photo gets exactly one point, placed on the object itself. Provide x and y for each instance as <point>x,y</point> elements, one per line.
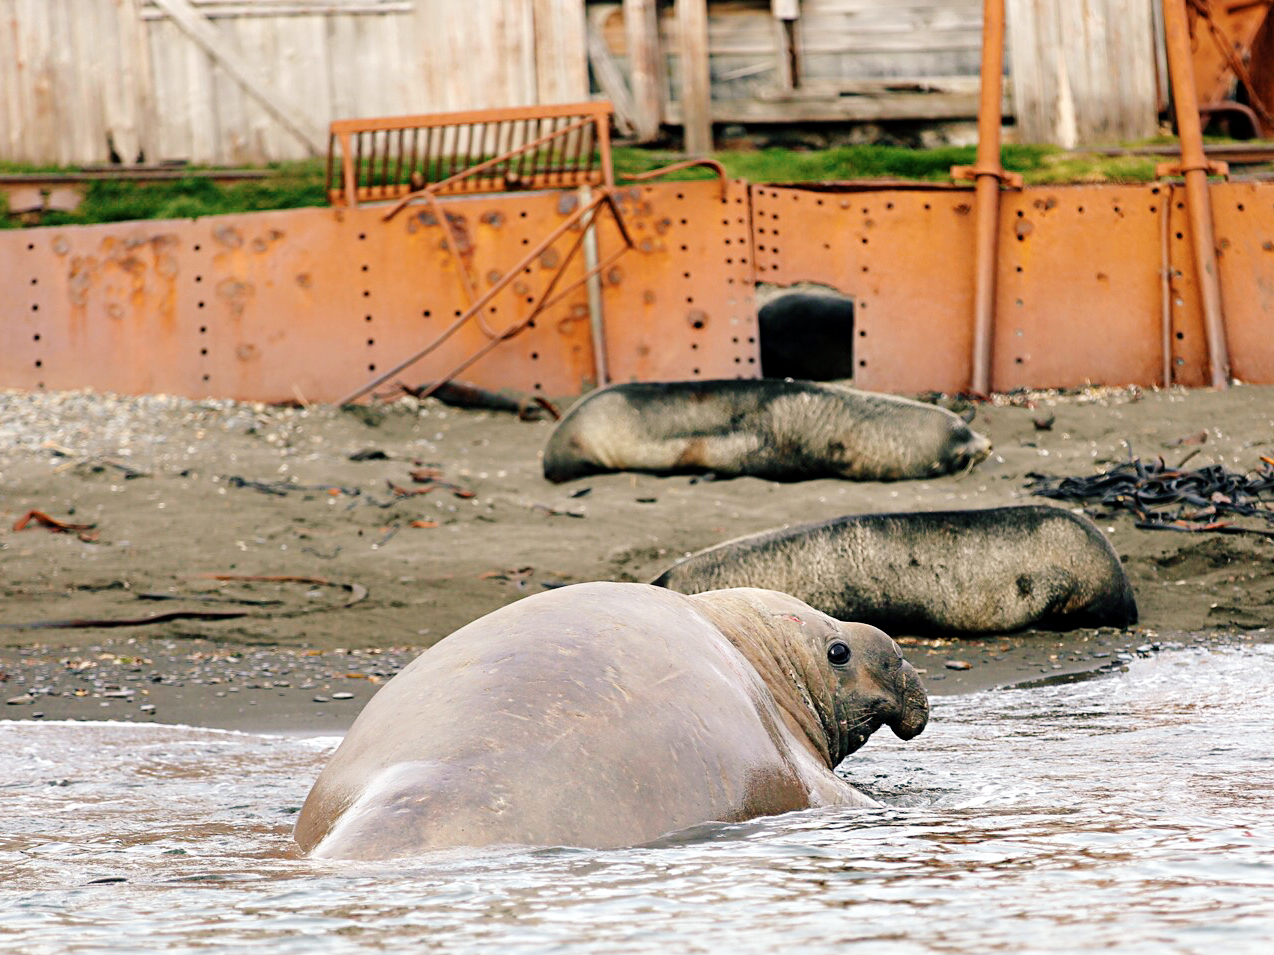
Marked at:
<point>193,504</point>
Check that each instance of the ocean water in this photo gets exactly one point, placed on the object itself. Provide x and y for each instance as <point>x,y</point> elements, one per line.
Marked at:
<point>1132,812</point>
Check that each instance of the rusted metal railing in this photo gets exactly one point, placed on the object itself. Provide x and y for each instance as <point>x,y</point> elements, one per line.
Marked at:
<point>482,151</point>
<point>562,157</point>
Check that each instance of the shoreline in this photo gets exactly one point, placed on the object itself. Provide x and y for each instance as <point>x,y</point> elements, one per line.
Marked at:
<point>279,690</point>
<point>346,541</point>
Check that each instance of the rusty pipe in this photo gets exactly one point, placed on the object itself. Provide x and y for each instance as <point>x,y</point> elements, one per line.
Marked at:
<point>988,173</point>
<point>1195,167</point>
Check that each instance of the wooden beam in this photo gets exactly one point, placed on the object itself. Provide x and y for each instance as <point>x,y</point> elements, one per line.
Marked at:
<point>611,79</point>
<point>696,83</point>
<point>645,65</point>
<point>200,29</point>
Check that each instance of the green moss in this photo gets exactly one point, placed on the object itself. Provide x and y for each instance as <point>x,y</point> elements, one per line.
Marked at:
<point>293,185</point>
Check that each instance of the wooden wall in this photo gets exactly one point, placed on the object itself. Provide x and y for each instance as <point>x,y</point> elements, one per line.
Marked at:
<point>245,81</point>
<point>208,80</point>
<point>1084,72</point>
<point>859,59</point>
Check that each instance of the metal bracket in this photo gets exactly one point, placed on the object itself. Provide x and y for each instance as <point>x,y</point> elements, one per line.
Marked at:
<point>1012,180</point>
<point>1213,167</point>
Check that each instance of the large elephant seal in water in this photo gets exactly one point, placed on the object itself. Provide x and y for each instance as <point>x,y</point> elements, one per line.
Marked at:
<point>780,430</point>
<point>958,572</point>
<point>606,715</point>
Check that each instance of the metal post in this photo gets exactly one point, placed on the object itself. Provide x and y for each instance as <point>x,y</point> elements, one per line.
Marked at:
<point>1195,167</point>
<point>988,174</point>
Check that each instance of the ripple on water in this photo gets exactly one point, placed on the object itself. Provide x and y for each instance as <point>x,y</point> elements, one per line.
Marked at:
<point>1131,813</point>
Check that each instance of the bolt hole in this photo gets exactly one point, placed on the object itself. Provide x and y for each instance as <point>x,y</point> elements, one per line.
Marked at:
<point>1181,336</point>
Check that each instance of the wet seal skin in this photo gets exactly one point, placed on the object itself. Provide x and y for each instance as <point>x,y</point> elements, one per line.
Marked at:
<point>955,572</point>
<point>781,430</point>
<point>609,714</point>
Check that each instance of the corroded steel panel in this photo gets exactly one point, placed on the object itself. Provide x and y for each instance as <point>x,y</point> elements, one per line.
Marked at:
<point>282,306</point>
<point>681,304</point>
<point>410,289</point>
<point>309,304</point>
<point>1078,289</point>
<point>906,259</point>
<point>1187,336</point>
<point>1244,224</point>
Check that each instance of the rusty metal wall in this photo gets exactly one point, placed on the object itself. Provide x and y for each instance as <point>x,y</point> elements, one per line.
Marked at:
<point>904,257</point>
<point>681,305</point>
<point>309,304</point>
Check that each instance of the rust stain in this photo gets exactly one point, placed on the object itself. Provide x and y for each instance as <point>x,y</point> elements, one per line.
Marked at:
<point>550,259</point>
<point>494,219</point>
<point>247,351</point>
<point>1023,228</point>
<point>80,279</point>
<point>228,236</point>
<point>566,203</point>
<point>235,293</point>
<point>460,231</point>
<point>304,280</point>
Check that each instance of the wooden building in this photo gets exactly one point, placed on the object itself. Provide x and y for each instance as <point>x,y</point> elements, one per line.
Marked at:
<point>244,81</point>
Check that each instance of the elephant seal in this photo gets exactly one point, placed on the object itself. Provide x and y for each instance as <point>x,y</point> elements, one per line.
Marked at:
<point>776,429</point>
<point>608,714</point>
<point>956,572</point>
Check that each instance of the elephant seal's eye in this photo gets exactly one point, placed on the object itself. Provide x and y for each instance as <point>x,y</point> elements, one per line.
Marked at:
<point>838,653</point>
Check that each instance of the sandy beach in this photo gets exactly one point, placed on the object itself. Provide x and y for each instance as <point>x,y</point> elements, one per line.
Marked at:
<point>266,568</point>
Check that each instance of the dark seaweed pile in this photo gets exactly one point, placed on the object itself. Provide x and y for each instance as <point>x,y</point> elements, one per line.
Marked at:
<point>1174,499</point>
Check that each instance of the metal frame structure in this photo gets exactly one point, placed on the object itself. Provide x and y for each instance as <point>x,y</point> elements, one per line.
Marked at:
<point>500,246</point>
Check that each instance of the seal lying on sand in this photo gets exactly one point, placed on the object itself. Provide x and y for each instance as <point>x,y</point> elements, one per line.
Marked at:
<point>607,714</point>
<point>780,430</point>
<point>960,572</point>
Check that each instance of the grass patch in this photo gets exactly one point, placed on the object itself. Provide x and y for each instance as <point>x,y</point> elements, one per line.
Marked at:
<point>295,185</point>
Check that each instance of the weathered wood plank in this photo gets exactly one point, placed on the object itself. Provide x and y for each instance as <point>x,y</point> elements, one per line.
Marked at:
<point>218,9</point>
<point>645,66</point>
<point>561,57</point>
<point>696,84</point>
<point>1084,73</point>
<point>199,29</point>
<point>11,114</point>
<point>611,79</point>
